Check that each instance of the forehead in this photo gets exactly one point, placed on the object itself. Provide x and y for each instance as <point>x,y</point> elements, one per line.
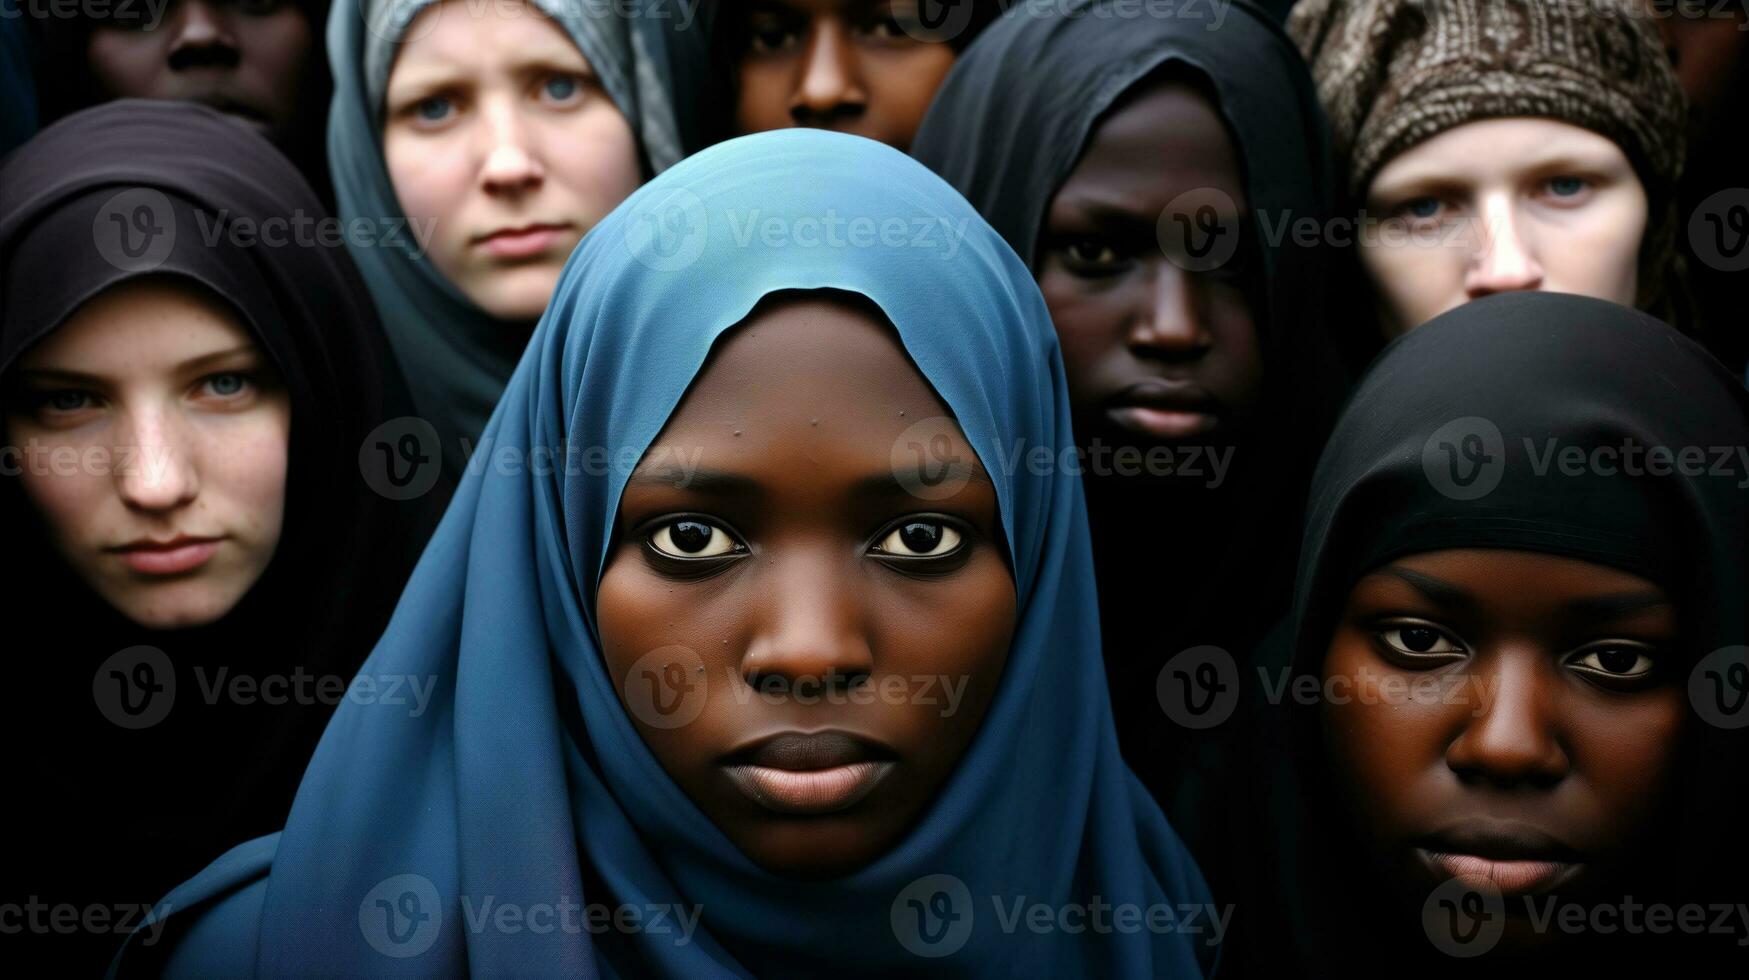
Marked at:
<point>834,368</point>
<point>461,33</point>
<point>139,325</point>
<point>1164,138</point>
<point>1493,149</point>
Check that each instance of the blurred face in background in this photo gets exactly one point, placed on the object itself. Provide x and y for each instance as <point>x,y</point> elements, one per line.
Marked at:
<point>248,58</point>
<point>854,66</point>
<point>1157,350</point>
<point>1503,205</point>
<point>499,134</point>
<point>154,435</point>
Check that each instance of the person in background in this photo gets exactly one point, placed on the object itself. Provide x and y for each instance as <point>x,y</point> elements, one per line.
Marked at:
<point>258,61</point>
<point>1150,190</point>
<point>1708,44</point>
<point>865,67</point>
<point>483,143</point>
<point>200,557</point>
<point>17,79</point>
<point>1492,146</point>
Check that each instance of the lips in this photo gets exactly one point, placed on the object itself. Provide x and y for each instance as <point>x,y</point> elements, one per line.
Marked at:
<point>1164,408</point>
<point>809,773</point>
<point>523,241</point>
<point>175,556</point>
<point>1514,858</point>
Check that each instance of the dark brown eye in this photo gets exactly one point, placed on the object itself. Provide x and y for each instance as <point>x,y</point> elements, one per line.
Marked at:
<point>1621,662</point>
<point>693,539</point>
<point>920,539</point>
<point>1417,639</point>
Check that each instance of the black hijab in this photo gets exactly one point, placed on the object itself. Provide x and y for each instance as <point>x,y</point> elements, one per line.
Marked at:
<point>1520,372</point>
<point>1008,127</point>
<point>101,814</point>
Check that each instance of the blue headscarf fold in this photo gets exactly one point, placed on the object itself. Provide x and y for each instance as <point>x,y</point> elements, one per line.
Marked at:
<point>525,780</point>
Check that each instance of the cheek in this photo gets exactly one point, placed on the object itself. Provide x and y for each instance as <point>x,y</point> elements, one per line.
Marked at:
<point>1415,282</point>
<point>1600,251</point>
<point>1628,750</point>
<point>70,496</point>
<point>594,156</point>
<point>901,84</point>
<point>245,472</point>
<point>765,90</point>
<point>1090,327</point>
<point>958,628</point>
<point>276,53</point>
<point>127,63</point>
<point>1379,746</point>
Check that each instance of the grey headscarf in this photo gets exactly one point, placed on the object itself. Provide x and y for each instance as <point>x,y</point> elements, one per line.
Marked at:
<point>457,357</point>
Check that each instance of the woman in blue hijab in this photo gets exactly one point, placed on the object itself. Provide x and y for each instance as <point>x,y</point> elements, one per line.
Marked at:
<point>537,815</point>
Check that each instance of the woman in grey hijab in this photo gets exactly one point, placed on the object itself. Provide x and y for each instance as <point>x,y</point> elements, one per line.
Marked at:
<point>471,149</point>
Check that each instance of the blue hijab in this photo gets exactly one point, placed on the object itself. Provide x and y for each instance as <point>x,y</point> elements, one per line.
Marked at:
<point>524,779</point>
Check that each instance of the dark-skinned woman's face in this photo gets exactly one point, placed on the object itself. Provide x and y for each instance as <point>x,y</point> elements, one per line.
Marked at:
<point>1155,354</point>
<point>247,58</point>
<point>1505,716</point>
<point>845,65</point>
<point>848,634</point>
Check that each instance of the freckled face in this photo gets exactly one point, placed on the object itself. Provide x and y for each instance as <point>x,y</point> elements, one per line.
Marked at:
<point>155,435</point>
<point>1503,205</point>
<point>1543,742</point>
<point>850,634</point>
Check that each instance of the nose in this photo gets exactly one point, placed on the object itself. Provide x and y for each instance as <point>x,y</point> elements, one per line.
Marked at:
<point>155,469</point>
<point>1168,321</point>
<point>1505,261</point>
<point>1511,737</point>
<point>809,632</point>
<point>512,164</point>
<point>203,38</point>
<point>830,89</point>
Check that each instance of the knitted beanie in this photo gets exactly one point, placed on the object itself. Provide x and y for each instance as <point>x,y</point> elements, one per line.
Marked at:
<point>1395,73</point>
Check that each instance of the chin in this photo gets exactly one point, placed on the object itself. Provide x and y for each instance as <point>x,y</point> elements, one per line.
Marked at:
<point>520,294</point>
<point>188,609</point>
<point>813,848</point>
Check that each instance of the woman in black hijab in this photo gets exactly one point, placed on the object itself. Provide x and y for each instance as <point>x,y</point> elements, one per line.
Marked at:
<point>201,551</point>
<point>1518,645</point>
<point>1153,170</point>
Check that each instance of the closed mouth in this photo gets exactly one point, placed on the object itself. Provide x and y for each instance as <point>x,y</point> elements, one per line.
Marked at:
<point>809,773</point>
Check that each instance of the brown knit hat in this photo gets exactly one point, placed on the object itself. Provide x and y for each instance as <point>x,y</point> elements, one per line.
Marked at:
<point>1395,73</point>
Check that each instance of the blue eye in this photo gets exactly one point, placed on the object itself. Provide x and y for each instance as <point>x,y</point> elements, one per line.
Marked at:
<point>1566,186</point>
<point>65,400</point>
<point>227,385</point>
<point>433,109</point>
<point>561,88</point>
<point>1422,208</point>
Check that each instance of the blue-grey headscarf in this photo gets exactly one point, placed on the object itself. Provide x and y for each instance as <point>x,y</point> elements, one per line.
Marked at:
<point>525,781</point>
<point>455,355</point>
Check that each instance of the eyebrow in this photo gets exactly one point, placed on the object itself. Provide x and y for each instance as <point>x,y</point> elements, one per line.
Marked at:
<point>893,483</point>
<point>80,377</point>
<point>1583,607</point>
